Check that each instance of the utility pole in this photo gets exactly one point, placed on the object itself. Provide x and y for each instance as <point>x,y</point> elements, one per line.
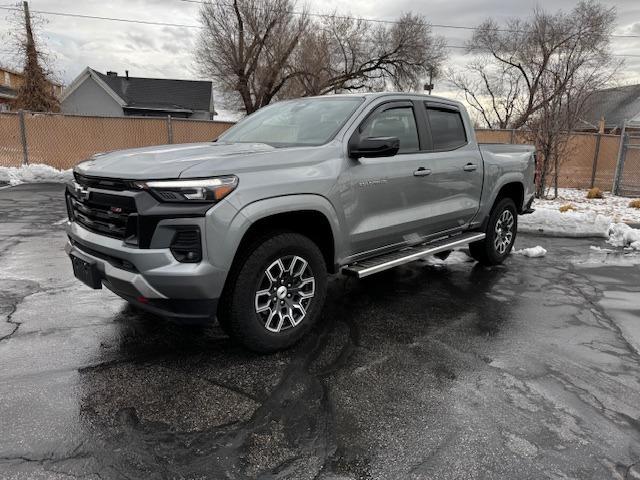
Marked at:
<point>35,93</point>
<point>429,86</point>
<point>27,23</point>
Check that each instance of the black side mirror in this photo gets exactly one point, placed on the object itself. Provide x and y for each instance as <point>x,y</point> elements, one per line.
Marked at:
<point>372,147</point>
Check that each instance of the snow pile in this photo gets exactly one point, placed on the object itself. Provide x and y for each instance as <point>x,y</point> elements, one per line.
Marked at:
<point>617,208</point>
<point>565,224</point>
<point>34,173</point>
<point>585,218</point>
<point>455,257</point>
<point>600,249</point>
<point>532,252</point>
<point>622,235</point>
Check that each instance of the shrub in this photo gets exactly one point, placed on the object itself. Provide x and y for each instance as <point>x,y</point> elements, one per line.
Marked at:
<point>635,203</point>
<point>567,207</point>
<point>595,193</point>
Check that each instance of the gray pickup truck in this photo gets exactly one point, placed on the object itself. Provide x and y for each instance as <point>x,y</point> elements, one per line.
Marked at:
<point>247,227</point>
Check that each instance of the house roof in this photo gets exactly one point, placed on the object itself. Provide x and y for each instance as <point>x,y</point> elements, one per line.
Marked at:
<point>136,93</point>
<point>614,104</point>
<point>159,93</point>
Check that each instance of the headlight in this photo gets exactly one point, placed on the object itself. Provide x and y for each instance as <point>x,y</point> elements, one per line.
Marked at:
<point>209,190</point>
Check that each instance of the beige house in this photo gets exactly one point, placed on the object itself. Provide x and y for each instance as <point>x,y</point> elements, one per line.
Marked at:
<point>10,82</point>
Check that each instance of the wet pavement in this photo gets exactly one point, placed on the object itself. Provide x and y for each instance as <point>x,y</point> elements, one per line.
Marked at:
<point>528,370</point>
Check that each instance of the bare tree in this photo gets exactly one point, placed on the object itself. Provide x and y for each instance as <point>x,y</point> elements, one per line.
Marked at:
<point>246,46</point>
<point>264,49</point>
<point>493,91</point>
<point>550,128</point>
<point>536,75</point>
<point>346,54</point>
<point>557,45</point>
<point>36,92</point>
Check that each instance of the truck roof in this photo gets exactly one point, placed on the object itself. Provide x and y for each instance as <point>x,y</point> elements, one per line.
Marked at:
<point>407,95</point>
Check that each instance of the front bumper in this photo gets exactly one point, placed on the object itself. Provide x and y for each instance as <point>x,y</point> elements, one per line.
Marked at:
<point>151,279</point>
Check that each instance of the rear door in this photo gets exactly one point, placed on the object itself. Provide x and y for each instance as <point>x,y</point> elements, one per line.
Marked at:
<point>455,182</point>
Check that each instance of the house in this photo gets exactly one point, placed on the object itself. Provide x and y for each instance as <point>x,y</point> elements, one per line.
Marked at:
<point>113,95</point>
<point>10,82</point>
<point>606,110</point>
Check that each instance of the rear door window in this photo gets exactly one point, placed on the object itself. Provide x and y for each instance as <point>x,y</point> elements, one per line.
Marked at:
<point>447,128</point>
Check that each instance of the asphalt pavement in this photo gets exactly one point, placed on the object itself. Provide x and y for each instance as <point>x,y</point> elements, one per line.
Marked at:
<point>448,371</point>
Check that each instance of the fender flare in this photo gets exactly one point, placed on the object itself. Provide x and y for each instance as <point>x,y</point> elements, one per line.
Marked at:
<point>261,209</point>
<point>511,177</point>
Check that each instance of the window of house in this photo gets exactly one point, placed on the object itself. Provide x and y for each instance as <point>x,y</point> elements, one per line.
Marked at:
<point>447,128</point>
<point>7,79</point>
<point>397,122</point>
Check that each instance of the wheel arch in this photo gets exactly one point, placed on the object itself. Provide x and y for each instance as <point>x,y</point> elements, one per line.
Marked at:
<point>309,215</point>
<point>513,190</point>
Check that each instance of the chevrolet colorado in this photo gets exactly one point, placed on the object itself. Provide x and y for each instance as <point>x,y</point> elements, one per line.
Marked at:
<point>247,227</point>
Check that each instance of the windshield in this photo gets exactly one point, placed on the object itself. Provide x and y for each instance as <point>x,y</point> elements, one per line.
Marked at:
<point>305,121</point>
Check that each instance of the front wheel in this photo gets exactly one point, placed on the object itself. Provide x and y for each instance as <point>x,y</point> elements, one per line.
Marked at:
<point>501,231</point>
<point>275,294</point>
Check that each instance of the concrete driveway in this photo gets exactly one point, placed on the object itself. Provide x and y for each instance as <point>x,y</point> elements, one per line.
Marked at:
<point>528,370</point>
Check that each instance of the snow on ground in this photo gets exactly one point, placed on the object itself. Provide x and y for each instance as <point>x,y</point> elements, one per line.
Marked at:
<point>532,252</point>
<point>586,218</point>
<point>564,224</point>
<point>612,206</point>
<point>34,173</point>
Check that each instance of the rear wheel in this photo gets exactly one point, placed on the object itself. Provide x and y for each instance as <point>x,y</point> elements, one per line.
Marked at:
<point>501,231</point>
<point>275,294</point>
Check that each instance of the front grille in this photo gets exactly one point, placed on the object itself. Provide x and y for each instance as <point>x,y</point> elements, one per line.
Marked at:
<point>102,183</point>
<point>105,214</point>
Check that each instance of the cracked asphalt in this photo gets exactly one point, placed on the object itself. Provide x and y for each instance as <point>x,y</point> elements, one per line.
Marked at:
<point>453,371</point>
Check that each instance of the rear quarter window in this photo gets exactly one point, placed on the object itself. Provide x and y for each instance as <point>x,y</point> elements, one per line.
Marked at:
<point>447,128</point>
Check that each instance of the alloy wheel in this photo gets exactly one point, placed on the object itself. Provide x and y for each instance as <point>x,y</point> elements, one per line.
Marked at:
<point>504,232</point>
<point>284,293</point>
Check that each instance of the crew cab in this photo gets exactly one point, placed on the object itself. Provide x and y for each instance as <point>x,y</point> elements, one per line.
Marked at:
<point>248,227</point>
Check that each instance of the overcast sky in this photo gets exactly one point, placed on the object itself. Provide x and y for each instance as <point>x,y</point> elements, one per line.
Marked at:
<point>160,51</point>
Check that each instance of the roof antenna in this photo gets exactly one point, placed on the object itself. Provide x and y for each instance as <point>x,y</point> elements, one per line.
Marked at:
<point>126,74</point>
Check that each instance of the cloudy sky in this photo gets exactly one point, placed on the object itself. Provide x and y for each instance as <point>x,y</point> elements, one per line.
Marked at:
<point>163,51</point>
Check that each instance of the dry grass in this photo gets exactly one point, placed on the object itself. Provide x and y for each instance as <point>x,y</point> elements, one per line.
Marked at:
<point>567,207</point>
<point>595,193</point>
<point>634,203</point>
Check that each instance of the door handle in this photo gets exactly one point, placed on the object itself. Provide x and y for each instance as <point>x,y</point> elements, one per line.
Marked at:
<point>422,172</point>
<point>470,167</point>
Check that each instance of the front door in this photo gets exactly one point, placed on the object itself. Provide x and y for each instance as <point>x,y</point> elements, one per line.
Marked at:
<point>384,198</point>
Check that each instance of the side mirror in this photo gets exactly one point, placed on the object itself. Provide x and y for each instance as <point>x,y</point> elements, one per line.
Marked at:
<point>372,147</point>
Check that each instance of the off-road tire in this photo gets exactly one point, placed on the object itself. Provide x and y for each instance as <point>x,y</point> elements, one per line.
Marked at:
<point>485,251</point>
<point>237,313</point>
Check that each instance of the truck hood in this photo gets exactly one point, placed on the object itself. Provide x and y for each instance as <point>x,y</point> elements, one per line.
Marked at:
<point>170,161</point>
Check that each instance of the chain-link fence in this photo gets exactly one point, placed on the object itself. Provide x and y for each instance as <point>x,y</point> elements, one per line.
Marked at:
<point>627,177</point>
<point>64,140</point>
<point>588,160</point>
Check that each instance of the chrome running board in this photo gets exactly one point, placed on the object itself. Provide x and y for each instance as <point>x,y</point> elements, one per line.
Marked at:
<point>380,263</point>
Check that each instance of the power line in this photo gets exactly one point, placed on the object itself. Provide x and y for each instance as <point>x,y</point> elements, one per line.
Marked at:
<point>111,19</point>
<point>392,22</point>
<point>311,14</point>
<point>184,25</point>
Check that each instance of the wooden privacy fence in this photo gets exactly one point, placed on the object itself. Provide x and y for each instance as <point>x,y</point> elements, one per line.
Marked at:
<point>64,140</point>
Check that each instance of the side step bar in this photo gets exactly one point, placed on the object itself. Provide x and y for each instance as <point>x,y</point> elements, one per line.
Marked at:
<point>373,265</point>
